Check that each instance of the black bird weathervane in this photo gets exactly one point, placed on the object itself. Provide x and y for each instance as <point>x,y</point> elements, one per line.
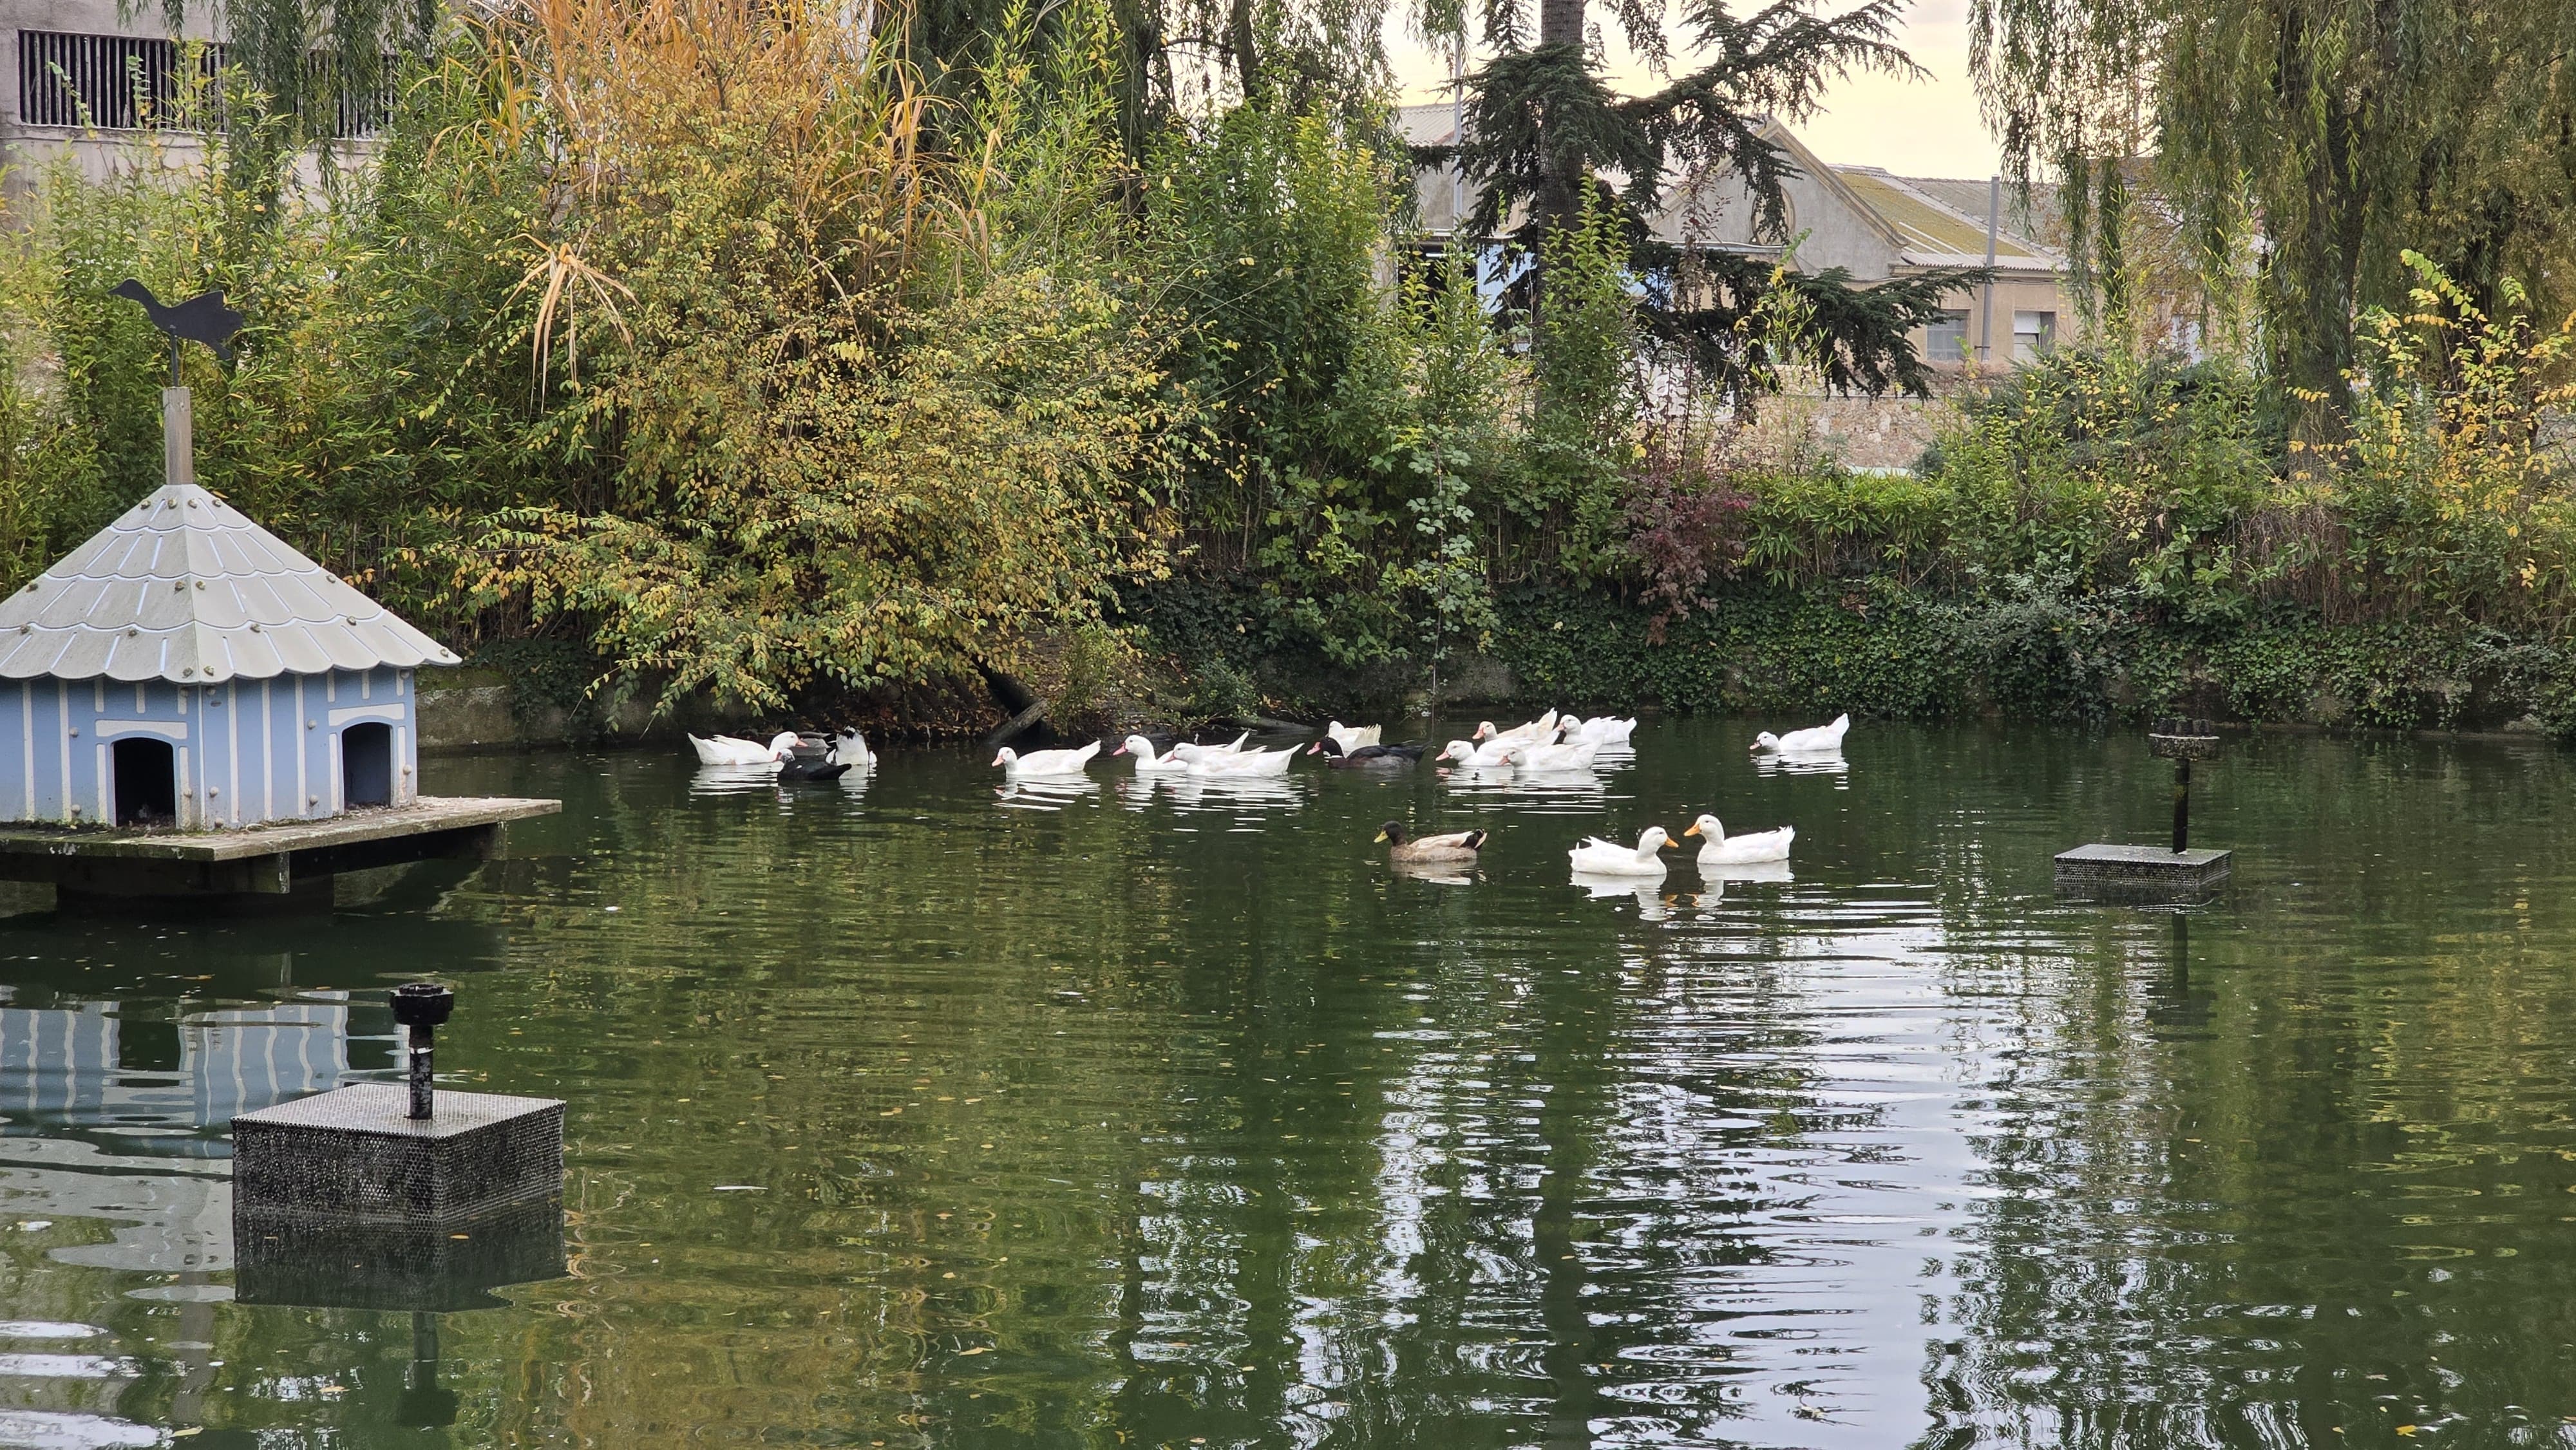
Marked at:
<point>202,318</point>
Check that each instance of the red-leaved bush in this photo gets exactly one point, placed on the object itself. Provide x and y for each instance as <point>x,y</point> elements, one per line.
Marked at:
<point>1685,517</point>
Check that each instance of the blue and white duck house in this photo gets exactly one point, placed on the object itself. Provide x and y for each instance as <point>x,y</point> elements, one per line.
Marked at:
<point>187,669</point>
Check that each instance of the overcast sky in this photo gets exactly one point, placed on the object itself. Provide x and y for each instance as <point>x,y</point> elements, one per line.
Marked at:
<point>1917,128</point>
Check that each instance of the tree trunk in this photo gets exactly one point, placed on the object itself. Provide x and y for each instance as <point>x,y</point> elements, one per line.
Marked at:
<point>1241,39</point>
<point>1560,23</point>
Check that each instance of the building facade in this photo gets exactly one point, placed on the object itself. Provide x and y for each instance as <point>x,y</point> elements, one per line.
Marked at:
<point>104,83</point>
<point>1874,225</point>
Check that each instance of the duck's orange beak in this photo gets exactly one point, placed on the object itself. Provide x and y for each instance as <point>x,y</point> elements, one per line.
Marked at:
<point>1693,831</point>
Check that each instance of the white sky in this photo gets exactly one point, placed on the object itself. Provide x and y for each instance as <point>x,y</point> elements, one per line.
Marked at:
<point>1915,128</point>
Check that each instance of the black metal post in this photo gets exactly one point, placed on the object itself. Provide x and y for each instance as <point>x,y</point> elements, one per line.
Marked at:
<point>420,1074</point>
<point>2182,804</point>
<point>421,1006</point>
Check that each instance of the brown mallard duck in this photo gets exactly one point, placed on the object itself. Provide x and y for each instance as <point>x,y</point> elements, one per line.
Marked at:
<point>1455,846</point>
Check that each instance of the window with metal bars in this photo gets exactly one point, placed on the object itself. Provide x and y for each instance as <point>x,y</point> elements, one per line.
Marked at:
<point>132,83</point>
<point>110,82</point>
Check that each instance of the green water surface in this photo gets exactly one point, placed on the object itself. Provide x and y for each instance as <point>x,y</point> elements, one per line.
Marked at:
<point>904,1112</point>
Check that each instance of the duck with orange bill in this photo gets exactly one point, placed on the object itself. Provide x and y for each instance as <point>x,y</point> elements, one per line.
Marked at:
<point>1597,857</point>
<point>733,750</point>
<point>1542,728</point>
<point>1717,848</point>
<point>1043,764</point>
<point>1147,762</point>
<point>1815,740</point>
<point>1492,755</point>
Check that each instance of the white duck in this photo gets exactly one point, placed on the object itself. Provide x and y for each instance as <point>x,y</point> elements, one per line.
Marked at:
<point>732,750</point>
<point>1044,762</point>
<point>1542,728</point>
<point>1189,750</point>
<point>1352,737</point>
<point>1148,763</point>
<point>1819,740</point>
<point>1576,756</point>
<point>1717,848</point>
<point>1605,730</point>
<point>1492,755</point>
<point>1597,857</point>
<point>1249,763</point>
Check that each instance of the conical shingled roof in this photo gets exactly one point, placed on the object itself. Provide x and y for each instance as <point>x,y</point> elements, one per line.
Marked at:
<point>182,587</point>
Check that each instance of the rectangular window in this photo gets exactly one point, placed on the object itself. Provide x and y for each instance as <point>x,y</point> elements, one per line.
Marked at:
<point>110,82</point>
<point>132,83</point>
<point>1946,339</point>
<point>2033,333</point>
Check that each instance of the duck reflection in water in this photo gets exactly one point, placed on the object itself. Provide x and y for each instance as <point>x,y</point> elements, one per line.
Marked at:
<point>1833,764</point>
<point>1770,872</point>
<point>1045,792</point>
<point>1438,873</point>
<point>1212,792</point>
<point>1652,903</point>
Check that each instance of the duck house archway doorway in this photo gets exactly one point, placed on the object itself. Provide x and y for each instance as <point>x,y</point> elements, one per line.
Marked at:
<point>146,776</point>
<point>367,765</point>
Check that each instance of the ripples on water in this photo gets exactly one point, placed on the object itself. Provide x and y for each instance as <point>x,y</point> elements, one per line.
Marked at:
<point>924,1109</point>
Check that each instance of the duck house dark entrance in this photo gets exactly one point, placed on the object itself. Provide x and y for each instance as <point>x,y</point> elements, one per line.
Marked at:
<point>367,765</point>
<point>146,773</point>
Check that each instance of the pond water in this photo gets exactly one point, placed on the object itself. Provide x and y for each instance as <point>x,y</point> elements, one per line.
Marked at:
<point>907,1113</point>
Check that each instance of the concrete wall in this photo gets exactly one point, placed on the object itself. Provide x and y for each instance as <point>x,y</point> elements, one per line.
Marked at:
<point>245,752</point>
<point>27,149</point>
<point>469,710</point>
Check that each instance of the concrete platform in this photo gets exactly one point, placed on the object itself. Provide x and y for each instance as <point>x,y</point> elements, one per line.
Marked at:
<point>351,1154</point>
<point>285,864</point>
<point>2142,871</point>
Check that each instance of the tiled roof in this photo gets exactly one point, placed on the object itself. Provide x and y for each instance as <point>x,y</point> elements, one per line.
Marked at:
<point>182,587</point>
<point>2038,221</point>
<point>1432,124</point>
<point>1935,234</point>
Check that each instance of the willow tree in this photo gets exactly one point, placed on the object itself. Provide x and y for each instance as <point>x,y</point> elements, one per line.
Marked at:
<point>2320,138</point>
<point>1547,135</point>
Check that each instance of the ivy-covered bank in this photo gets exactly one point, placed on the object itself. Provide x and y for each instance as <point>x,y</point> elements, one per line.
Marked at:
<point>1878,648</point>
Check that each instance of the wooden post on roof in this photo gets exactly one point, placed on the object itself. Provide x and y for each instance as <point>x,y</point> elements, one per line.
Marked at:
<point>178,437</point>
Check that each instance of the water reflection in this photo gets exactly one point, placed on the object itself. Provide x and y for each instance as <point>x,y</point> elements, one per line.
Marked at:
<point>1648,892</point>
<point>132,1081</point>
<point>1542,792</point>
<point>734,780</point>
<point>1125,1126</point>
<point>1045,792</point>
<point>1441,873</point>
<point>1831,764</point>
<point>1772,872</point>
<point>1250,799</point>
<point>39,1429</point>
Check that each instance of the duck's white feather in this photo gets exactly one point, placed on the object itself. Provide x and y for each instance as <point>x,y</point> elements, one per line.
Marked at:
<point>1045,762</point>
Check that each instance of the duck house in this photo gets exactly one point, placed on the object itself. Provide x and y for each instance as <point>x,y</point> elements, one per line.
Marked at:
<point>187,668</point>
<point>216,713</point>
